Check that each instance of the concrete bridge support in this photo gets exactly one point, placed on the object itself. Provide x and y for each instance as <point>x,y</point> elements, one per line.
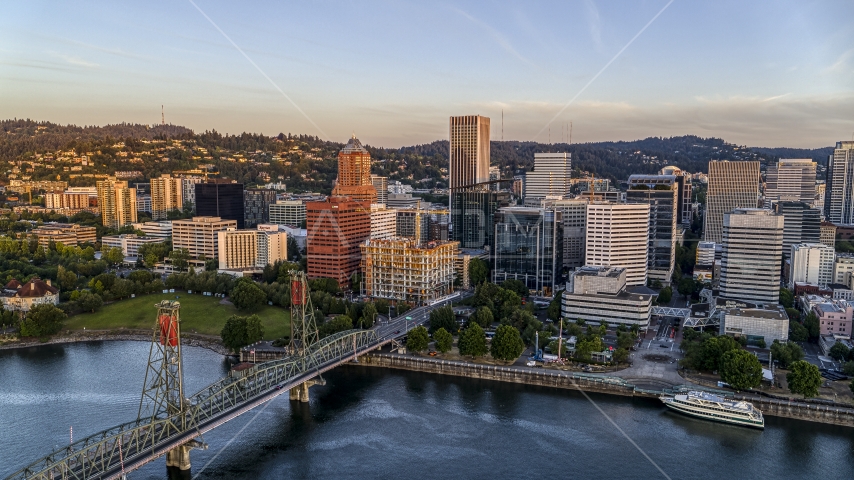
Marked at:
<point>300,392</point>
<point>179,457</point>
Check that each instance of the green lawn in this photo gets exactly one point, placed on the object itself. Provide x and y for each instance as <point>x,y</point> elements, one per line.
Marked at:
<point>199,314</point>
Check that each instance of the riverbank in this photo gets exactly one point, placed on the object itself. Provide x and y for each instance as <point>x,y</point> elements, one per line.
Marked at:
<point>124,334</point>
<point>613,385</point>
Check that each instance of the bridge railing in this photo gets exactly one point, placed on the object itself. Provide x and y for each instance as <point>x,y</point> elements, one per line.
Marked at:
<point>99,453</point>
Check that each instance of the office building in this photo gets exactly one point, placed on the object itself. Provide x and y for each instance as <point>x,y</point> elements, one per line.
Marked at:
<point>256,206</point>
<point>843,270</point>
<point>469,151</point>
<point>167,194</point>
<point>661,193</point>
<point>220,198</point>
<point>402,200</point>
<point>834,317</point>
<point>752,252</point>
<point>288,212</point>
<point>117,202</point>
<point>401,269</point>
<point>68,234</point>
<point>790,180</point>
<point>528,248</point>
<point>811,263</point>
<point>414,224</point>
<point>161,229</point>
<point>801,224</point>
<point>472,213</point>
<point>62,200</point>
<point>617,236</point>
<point>251,250</point>
<point>143,203</point>
<point>731,185</point>
<point>550,177</point>
<point>336,227</point>
<point>199,235</point>
<point>684,212</point>
<point>354,173</point>
<point>383,222</point>
<point>827,234</point>
<point>381,186</point>
<point>601,295</point>
<point>767,322</point>
<point>573,220</point>
<point>188,190</point>
<point>705,253</point>
<point>839,189</point>
<point>128,242</point>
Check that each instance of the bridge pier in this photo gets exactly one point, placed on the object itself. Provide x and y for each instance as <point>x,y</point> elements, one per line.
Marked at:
<point>300,392</point>
<point>179,457</point>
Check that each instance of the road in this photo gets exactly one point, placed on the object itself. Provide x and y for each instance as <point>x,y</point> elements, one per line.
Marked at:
<point>398,327</point>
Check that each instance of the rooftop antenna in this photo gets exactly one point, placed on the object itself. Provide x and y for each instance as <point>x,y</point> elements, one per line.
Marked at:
<point>502,124</point>
<point>162,116</point>
<point>570,133</point>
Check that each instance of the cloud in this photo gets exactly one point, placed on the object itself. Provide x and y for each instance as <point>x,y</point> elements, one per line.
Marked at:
<point>500,39</point>
<point>840,64</point>
<point>594,23</point>
<point>776,97</point>
<point>74,60</point>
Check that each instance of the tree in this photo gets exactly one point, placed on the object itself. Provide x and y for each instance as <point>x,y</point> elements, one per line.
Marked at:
<point>799,332</point>
<point>369,313</point>
<point>180,258</point>
<point>246,295</point>
<point>787,298</point>
<point>804,378</point>
<point>122,288</point>
<point>714,349</point>
<point>443,317</point>
<point>686,287</point>
<point>340,323</point>
<point>507,344</point>
<point>555,344</point>
<point>444,340</point>
<point>741,369</point>
<point>254,329</point>
<point>621,355</point>
<point>625,340</point>
<point>838,351</point>
<point>665,295</point>
<point>785,353</point>
<point>848,368</point>
<point>233,333</point>
<point>113,256</point>
<point>553,312</point>
<point>90,302</point>
<point>483,317</point>
<point>794,315</point>
<point>67,280</point>
<point>417,339</point>
<point>472,341</point>
<point>478,271</point>
<point>812,325</point>
<point>42,320</point>
<point>516,286</point>
<point>587,345</point>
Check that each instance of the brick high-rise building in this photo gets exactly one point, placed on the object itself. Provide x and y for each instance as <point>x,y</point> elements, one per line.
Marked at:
<point>335,229</point>
<point>167,193</point>
<point>354,173</point>
<point>117,202</point>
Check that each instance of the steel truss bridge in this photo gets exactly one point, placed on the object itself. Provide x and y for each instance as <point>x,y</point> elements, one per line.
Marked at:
<point>110,453</point>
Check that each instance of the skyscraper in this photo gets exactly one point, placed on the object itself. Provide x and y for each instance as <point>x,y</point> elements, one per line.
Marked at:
<point>336,228</point>
<point>527,248</point>
<point>354,173</point>
<point>790,180</point>
<point>801,224</point>
<point>256,206</point>
<point>839,190</point>
<point>684,211</point>
<point>381,185</point>
<point>573,219</point>
<point>220,198</point>
<point>811,263</point>
<point>752,252</point>
<point>469,152</point>
<point>472,216</point>
<point>731,185</point>
<point>661,193</point>
<point>167,194</point>
<point>550,177</point>
<point>117,202</point>
<point>617,236</point>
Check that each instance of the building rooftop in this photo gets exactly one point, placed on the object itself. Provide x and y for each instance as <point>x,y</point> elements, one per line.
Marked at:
<point>354,146</point>
<point>610,272</point>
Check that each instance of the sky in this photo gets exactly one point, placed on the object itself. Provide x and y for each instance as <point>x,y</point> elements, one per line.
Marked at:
<point>757,73</point>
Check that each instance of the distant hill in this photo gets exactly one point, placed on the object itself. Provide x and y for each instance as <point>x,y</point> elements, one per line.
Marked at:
<point>306,162</point>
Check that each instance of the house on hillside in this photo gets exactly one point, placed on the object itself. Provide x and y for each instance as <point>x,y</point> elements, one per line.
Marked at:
<point>22,297</point>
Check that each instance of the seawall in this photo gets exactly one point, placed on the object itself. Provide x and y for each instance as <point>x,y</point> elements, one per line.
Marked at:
<point>811,412</point>
<point>123,334</point>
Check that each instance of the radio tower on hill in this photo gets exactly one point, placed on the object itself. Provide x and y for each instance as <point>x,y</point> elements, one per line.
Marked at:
<point>162,116</point>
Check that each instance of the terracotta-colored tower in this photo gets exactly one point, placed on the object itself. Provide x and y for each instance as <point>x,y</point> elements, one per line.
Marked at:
<point>354,173</point>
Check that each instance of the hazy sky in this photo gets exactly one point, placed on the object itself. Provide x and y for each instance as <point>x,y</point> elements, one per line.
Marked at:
<point>777,73</point>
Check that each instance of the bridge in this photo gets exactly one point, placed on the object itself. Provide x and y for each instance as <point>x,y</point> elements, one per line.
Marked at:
<point>170,424</point>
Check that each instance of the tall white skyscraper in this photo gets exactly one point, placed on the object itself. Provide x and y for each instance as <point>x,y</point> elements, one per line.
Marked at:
<point>617,235</point>
<point>731,185</point>
<point>469,152</point>
<point>550,177</point>
<point>752,252</point>
<point>790,180</point>
<point>839,191</point>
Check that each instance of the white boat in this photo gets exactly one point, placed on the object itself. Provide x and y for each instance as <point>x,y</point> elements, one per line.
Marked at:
<point>715,408</point>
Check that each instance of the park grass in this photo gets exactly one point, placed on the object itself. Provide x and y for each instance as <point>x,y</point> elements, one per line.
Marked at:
<point>199,314</point>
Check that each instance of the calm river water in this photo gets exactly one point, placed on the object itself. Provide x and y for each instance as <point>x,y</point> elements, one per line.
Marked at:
<point>373,423</point>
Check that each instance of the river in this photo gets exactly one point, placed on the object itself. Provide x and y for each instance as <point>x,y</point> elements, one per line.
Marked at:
<point>374,423</point>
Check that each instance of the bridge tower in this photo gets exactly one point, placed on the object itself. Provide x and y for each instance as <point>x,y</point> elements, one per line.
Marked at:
<point>163,403</point>
<point>303,326</point>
